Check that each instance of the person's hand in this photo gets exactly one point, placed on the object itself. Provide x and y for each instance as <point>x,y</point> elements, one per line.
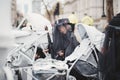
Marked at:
<point>61,53</point>
<point>46,50</point>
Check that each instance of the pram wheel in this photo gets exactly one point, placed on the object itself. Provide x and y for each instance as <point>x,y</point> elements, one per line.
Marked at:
<point>71,77</point>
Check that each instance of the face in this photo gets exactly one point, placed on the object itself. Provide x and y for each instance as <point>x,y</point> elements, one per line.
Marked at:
<point>68,27</point>
<point>63,30</point>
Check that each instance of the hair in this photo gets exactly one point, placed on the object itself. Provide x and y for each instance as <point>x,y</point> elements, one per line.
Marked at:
<point>118,14</point>
<point>40,52</point>
<point>60,26</point>
<point>115,21</point>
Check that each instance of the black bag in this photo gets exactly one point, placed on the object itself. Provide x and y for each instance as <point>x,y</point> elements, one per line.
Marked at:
<point>87,65</point>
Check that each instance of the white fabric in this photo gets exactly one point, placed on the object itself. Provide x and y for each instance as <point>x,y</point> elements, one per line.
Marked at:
<point>96,37</point>
<point>80,50</point>
<point>19,33</point>
<point>38,22</point>
<point>9,73</point>
<point>47,64</point>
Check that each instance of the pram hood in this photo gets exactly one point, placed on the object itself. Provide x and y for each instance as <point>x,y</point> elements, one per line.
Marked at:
<point>88,35</point>
<point>96,37</point>
<point>85,55</point>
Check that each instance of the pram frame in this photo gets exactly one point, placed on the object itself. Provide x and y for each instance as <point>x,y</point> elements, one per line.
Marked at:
<point>71,67</point>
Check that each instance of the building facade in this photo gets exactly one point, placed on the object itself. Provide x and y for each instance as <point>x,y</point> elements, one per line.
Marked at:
<point>24,6</point>
<point>36,6</point>
<point>93,8</point>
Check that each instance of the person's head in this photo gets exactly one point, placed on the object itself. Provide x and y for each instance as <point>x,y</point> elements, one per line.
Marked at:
<point>63,25</point>
<point>68,27</point>
<point>62,29</point>
<point>114,24</point>
<point>115,20</point>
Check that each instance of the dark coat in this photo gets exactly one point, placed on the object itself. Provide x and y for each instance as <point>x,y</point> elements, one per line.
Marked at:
<point>111,55</point>
<point>66,42</point>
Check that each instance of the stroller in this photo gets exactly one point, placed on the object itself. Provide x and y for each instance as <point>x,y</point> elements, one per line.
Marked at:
<point>85,58</point>
<point>24,53</point>
<point>22,57</point>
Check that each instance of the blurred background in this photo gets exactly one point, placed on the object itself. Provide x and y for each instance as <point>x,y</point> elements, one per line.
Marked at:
<point>100,10</point>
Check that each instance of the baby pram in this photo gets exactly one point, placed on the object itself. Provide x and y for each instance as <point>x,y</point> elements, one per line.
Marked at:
<point>24,67</point>
<point>85,57</point>
<point>24,53</point>
<point>22,57</point>
<point>85,62</point>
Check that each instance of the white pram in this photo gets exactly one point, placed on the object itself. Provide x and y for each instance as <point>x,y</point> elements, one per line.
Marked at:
<point>22,61</point>
<point>22,57</point>
<point>86,55</point>
<point>85,58</point>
